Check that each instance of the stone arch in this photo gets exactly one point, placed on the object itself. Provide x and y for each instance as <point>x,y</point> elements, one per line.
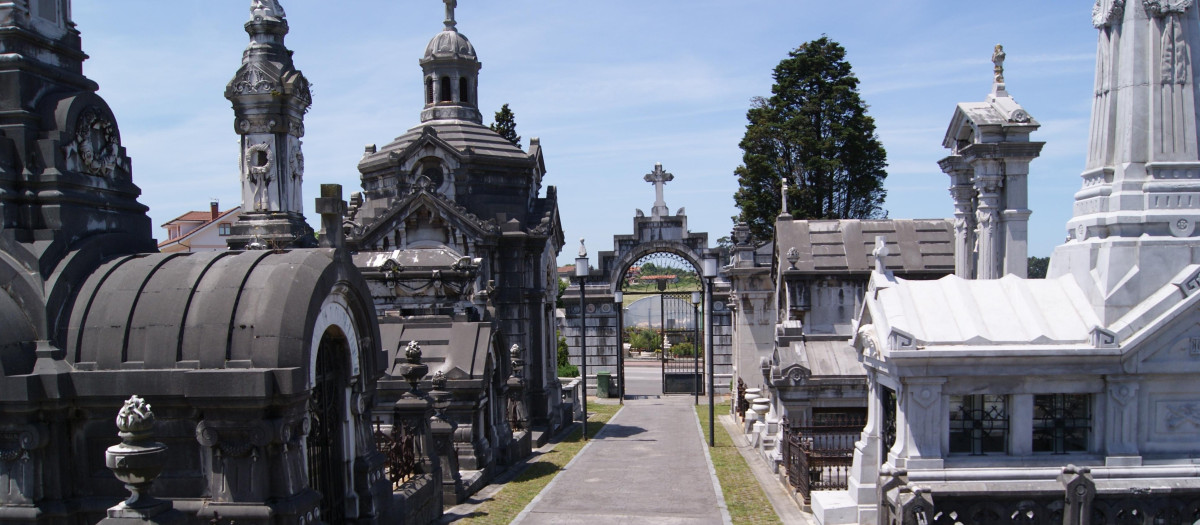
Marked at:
<point>621,265</point>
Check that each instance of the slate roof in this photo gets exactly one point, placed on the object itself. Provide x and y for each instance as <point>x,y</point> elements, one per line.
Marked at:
<point>829,358</point>
<point>414,258</point>
<point>457,348</point>
<point>845,246</point>
<point>460,134</point>
<point>1009,310</point>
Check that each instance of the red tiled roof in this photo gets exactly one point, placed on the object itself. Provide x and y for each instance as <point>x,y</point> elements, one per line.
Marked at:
<point>206,220</point>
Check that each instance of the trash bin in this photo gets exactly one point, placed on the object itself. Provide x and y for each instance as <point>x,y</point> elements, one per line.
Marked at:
<point>603,384</point>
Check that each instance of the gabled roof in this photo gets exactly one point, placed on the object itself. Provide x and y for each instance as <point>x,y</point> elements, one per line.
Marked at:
<point>953,311</point>
<point>209,222</point>
<point>845,246</point>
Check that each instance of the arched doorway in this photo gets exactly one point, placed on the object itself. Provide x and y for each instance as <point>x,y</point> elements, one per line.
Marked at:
<point>327,414</point>
<point>660,317</point>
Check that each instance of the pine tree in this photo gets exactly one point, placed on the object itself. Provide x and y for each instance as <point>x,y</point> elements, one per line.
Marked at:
<point>814,131</point>
<point>505,125</point>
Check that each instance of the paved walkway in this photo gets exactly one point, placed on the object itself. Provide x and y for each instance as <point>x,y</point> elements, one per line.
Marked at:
<point>648,465</point>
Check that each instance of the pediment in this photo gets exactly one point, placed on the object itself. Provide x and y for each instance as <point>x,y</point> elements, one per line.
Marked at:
<point>429,144</point>
<point>429,205</point>
<point>1175,350</point>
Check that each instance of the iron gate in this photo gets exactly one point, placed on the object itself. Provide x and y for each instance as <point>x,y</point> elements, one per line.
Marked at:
<point>682,372</point>
<point>325,472</point>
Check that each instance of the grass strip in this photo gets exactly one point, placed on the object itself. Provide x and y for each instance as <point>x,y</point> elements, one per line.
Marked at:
<point>744,497</point>
<point>516,494</point>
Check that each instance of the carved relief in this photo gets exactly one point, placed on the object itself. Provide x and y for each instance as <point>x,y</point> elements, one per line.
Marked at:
<point>18,470</point>
<point>1106,12</point>
<point>1102,338</point>
<point>901,340</point>
<point>1190,284</point>
<point>95,149</point>
<point>1176,58</point>
<point>259,162</point>
<point>254,81</point>
<point>1182,416</point>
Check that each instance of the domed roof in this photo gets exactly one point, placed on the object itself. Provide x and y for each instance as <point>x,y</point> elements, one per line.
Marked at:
<point>449,44</point>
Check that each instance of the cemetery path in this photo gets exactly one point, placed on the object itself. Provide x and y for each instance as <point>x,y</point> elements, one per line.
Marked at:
<point>649,464</point>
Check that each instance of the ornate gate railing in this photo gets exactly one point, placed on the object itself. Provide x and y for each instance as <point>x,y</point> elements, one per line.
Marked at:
<point>399,448</point>
<point>819,453</point>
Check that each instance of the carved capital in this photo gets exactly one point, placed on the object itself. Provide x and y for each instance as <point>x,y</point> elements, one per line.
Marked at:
<point>1163,8</point>
<point>1107,12</point>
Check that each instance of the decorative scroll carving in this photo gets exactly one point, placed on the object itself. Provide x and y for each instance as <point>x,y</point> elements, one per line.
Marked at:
<point>95,149</point>
<point>900,340</point>
<point>260,161</point>
<point>1102,338</point>
<point>253,81</point>
<point>1190,284</point>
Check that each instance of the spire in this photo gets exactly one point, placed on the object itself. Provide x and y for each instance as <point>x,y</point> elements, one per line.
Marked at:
<point>270,97</point>
<point>450,23</point>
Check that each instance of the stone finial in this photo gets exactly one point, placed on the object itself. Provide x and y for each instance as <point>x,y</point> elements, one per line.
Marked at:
<point>880,253</point>
<point>793,255</point>
<point>450,23</point>
<point>783,191</point>
<point>136,461</point>
<point>582,248</point>
<point>413,369</point>
<point>266,10</point>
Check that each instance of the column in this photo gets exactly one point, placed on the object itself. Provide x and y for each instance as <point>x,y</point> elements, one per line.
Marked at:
<point>920,425</point>
<point>987,216</point>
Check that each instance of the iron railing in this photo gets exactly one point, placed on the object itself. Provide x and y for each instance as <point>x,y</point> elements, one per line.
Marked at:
<point>399,448</point>
<point>818,454</point>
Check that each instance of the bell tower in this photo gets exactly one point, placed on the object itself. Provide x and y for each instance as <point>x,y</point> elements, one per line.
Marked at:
<point>270,97</point>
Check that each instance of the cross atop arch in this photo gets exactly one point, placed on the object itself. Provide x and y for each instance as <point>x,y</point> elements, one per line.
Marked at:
<point>659,178</point>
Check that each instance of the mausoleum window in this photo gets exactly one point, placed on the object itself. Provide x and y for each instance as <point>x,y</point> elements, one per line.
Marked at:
<point>1062,423</point>
<point>464,90</point>
<point>978,424</point>
<point>429,90</point>
<point>445,94</point>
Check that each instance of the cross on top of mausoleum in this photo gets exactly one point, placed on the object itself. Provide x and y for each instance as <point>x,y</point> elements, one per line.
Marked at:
<point>659,178</point>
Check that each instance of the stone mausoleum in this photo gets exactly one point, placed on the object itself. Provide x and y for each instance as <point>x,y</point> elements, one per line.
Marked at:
<point>1071,399</point>
<point>458,245</point>
<point>261,391</point>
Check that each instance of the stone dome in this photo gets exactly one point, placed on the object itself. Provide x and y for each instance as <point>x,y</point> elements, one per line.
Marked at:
<point>449,44</point>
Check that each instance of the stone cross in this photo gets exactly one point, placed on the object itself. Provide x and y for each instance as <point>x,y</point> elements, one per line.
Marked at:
<point>450,5</point>
<point>332,209</point>
<point>659,178</point>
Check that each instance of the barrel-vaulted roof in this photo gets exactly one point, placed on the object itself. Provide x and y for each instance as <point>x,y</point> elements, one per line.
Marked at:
<point>213,310</point>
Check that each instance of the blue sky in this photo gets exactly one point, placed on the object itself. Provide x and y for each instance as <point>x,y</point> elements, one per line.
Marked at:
<point>610,88</point>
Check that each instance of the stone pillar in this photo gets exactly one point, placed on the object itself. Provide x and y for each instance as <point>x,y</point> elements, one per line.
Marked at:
<point>987,216</point>
<point>1020,421</point>
<point>1120,422</point>
<point>962,190</point>
<point>864,472</point>
<point>920,424</point>
<point>1015,217</point>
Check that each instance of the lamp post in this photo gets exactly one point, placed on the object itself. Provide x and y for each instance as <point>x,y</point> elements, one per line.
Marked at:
<point>710,273</point>
<point>696,347</point>
<point>581,272</point>
<point>619,299</point>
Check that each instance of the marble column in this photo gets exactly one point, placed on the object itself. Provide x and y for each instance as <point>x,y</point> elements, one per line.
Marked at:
<point>987,216</point>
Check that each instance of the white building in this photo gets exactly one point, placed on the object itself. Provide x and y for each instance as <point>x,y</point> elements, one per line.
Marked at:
<point>199,231</point>
<point>1072,399</point>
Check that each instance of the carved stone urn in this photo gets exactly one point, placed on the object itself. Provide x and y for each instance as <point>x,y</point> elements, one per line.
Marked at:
<point>137,460</point>
<point>413,369</point>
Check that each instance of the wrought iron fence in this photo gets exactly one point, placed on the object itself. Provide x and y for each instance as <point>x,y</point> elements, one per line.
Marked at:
<point>818,454</point>
<point>399,448</point>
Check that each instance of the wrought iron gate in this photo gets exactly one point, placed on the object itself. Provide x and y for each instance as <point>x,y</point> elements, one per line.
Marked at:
<point>682,371</point>
<point>325,472</point>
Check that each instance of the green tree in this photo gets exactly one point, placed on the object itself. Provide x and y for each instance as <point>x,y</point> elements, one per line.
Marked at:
<point>1038,267</point>
<point>565,368</point>
<point>505,125</point>
<point>815,133</point>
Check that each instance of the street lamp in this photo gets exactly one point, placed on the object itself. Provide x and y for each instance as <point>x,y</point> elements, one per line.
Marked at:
<point>581,272</point>
<point>710,273</point>
<point>619,299</point>
<point>696,347</point>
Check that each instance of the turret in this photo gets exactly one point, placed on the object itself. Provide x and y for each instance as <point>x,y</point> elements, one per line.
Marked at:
<point>451,75</point>
<point>270,97</point>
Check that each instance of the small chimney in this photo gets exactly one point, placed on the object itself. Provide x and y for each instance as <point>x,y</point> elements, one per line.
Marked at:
<point>212,208</point>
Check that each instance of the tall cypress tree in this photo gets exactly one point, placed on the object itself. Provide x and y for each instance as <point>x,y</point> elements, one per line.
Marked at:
<point>505,124</point>
<point>814,131</point>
